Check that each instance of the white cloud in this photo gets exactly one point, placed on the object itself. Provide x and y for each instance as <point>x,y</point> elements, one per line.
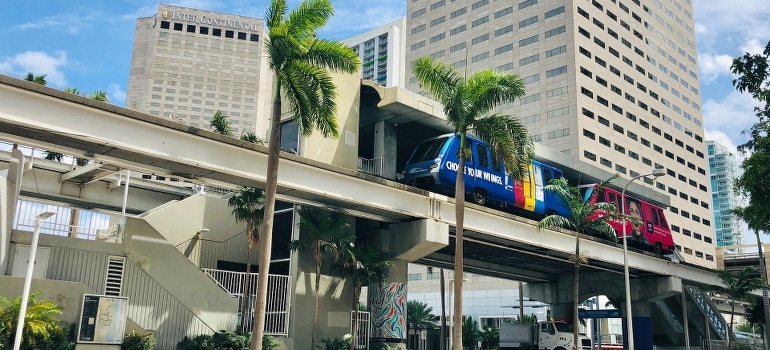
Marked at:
<point>729,116</point>
<point>700,28</point>
<point>117,94</point>
<point>712,66</point>
<point>67,23</point>
<point>752,46</point>
<point>37,62</point>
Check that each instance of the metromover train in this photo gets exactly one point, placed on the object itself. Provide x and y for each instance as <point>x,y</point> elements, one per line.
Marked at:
<point>433,166</point>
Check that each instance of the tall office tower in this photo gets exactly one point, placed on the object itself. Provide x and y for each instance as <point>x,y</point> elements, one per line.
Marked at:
<point>723,169</point>
<point>611,82</point>
<point>187,64</point>
<point>381,51</point>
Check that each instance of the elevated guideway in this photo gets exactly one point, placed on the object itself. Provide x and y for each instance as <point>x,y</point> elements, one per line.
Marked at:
<point>498,242</point>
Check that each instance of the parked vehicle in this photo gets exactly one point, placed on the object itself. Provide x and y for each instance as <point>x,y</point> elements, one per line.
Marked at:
<point>653,232</point>
<point>544,335</point>
<point>433,166</point>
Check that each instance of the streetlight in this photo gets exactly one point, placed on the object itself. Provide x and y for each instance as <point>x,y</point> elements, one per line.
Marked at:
<point>451,309</point>
<point>28,278</point>
<point>629,322</point>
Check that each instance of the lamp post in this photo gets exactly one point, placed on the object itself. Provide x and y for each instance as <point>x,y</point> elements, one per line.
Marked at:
<point>629,322</point>
<point>451,309</point>
<point>28,278</point>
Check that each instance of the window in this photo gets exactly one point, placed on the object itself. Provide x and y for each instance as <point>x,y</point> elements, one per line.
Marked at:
<point>479,3</point>
<point>530,59</point>
<point>531,40</point>
<point>599,42</point>
<point>605,162</point>
<point>586,92</point>
<point>480,57</point>
<point>418,45</point>
<point>418,13</point>
<point>437,21</point>
<point>556,51</point>
<point>598,23</point>
<point>558,112</point>
<point>503,49</point>
<point>589,134</point>
<point>457,47</point>
<point>584,52</point>
<point>556,71</point>
<point>527,3</point>
<point>461,12</point>
<point>600,61</point>
<point>503,12</point>
<point>586,72</point>
<point>554,12</point>
<point>437,38</point>
<point>480,39</point>
<point>178,26</point>
<point>583,13</point>
<point>528,21</point>
<point>530,99</point>
<point>503,30</point>
<point>418,29</point>
<point>584,32</point>
<point>589,155</point>
<point>480,21</point>
<point>456,30</point>
<point>556,92</point>
<point>555,31</point>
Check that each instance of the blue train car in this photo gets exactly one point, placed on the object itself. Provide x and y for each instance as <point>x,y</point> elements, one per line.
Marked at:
<point>433,165</point>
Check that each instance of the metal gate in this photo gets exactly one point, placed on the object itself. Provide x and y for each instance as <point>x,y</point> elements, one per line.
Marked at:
<point>364,329</point>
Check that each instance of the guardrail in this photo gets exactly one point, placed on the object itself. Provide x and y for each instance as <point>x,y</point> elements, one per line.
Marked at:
<point>69,222</point>
<point>370,166</point>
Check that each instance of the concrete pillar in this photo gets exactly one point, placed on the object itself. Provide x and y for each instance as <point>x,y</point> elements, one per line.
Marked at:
<point>562,312</point>
<point>387,307</point>
<point>385,142</point>
<point>10,186</point>
<point>642,316</point>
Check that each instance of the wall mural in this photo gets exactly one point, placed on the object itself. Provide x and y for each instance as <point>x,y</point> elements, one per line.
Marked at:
<point>387,304</point>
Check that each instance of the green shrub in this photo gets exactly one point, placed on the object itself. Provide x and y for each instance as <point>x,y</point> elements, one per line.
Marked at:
<point>223,340</point>
<point>42,330</point>
<point>136,341</point>
<point>341,343</point>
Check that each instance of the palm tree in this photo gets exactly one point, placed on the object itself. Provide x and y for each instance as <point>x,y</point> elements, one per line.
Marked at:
<point>586,216</point>
<point>253,138</point>
<point>248,206</point>
<point>739,287</point>
<point>221,125</point>
<point>40,320</point>
<point>758,220</point>
<point>37,79</point>
<point>419,316</point>
<point>467,101</point>
<point>363,266</point>
<point>301,63</point>
<point>322,232</point>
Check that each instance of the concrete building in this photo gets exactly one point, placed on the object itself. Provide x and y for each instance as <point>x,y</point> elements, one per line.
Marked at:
<point>187,64</point>
<point>612,83</point>
<point>381,51</point>
<point>722,169</point>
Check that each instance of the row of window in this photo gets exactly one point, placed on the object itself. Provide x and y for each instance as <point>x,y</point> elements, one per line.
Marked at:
<point>191,28</point>
<point>641,70</point>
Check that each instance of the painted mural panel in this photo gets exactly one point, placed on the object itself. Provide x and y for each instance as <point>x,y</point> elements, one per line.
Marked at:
<point>387,303</point>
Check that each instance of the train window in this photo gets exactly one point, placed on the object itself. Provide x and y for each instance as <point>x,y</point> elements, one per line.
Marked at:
<point>483,155</point>
<point>547,176</point>
<point>427,150</point>
<point>496,163</point>
<point>655,217</point>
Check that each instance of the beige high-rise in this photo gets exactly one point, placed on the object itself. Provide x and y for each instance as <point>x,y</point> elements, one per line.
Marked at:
<point>613,83</point>
<point>187,64</point>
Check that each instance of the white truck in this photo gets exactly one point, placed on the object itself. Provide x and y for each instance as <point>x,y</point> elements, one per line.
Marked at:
<point>544,335</point>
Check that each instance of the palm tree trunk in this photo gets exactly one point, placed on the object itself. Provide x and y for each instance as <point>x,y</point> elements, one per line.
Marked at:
<point>246,299</point>
<point>318,257</point>
<point>443,312</point>
<point>575,319</point>
<point>765,299</point>
<point>732,315</point>
<point>266,233</point>
<point>354,326</point>
<point>457,327</point>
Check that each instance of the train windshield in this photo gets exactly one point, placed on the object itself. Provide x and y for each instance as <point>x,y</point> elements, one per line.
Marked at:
<point>427,150</point>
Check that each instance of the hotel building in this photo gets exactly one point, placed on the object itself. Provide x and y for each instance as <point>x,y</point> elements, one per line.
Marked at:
<point>188,64</point>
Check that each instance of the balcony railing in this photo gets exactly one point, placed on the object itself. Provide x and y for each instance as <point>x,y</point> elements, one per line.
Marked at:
<point>370,166</point>
<point>69,222</point>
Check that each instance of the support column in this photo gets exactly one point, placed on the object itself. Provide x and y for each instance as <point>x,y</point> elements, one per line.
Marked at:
<point>387,307</point>
<point>641,312</point>
<point>562,312</point>
<point>385,143</point>
<point>10,186</point>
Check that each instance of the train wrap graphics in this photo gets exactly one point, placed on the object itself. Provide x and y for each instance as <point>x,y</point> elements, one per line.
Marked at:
<point>433,165</point>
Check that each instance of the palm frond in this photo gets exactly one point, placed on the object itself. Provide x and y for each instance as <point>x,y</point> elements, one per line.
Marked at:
<point>332,55</point>
<point>509,141</point>
<point>307,18</point>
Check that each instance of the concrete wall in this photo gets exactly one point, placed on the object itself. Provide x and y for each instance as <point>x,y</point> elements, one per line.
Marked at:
<point>342,151</point>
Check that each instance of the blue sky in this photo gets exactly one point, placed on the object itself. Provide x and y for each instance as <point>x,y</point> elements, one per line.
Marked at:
<point>87,44</point>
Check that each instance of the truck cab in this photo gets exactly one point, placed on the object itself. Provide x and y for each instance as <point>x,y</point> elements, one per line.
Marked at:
<point>544,335</point>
